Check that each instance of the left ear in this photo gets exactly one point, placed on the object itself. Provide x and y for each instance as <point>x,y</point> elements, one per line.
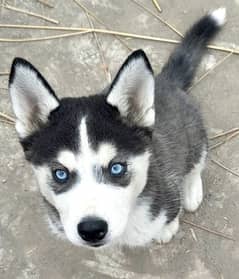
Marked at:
<point>132,90</point>
<point>32,97</point>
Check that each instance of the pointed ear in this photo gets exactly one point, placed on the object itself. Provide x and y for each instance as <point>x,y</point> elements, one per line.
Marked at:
<point>132,90</point>
<point>32,97</point>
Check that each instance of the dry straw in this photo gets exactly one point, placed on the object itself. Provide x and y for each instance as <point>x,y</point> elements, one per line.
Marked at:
<point>105,67</point>
<point>53,37</point>
<point>224,167</point>
<point>4,73</point>
<point>210,70</point>
<point>6,6</point>
<point>103,31</point>
<point>224,141</point>
<point>45,3</point>
<point>97,19</point>
<point>158,17</point>
<point>208,230</point>
<point>156,4</point>
<point>7,117</point>
<point>225,133</point>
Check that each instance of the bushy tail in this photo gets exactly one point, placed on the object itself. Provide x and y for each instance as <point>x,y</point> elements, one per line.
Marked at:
<point>183,62</point>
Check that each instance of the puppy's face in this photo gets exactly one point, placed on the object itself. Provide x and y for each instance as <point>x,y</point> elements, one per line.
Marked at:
<point>94,187</point>
<point>90,155</point>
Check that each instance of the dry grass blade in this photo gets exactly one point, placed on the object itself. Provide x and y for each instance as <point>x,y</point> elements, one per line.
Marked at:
<point>6,122</point>
<point>45,3</point>
<point>224,167</point>
<point>110,32</point>
<point>158,17</point>
<point>44,38</point>
<point>84,30</point>
<point>4,73</point>
<point>208,230</point>
<point>193,234</point>
<point>105,67</point>
<point>224,133</point>
<point>6,6</point>
<point>100,22</point>
<point>210,70</point>
<point>7,117</point>
<point>224,141</point>
<point>156,4</point>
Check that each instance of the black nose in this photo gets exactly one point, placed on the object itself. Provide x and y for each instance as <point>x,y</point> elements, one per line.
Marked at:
<point>92,229</point>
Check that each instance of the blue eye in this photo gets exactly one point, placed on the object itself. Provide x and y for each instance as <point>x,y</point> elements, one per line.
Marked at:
<point>61,176</point>
<point>117,169</point>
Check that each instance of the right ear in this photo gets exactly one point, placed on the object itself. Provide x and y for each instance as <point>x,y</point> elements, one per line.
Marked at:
<point>32,97</point>
<point>132,91</point>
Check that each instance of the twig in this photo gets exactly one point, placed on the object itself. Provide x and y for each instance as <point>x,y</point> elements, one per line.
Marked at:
<point>210,70</point>
<point>30,13</point>
<point>106,68</point>
<point>156,4</point>
<point>7,117</point>
<point>101,22</point>
<point>224,141</point>
<point>44,38</point>
<point>208,230</point>
<point>158,17</point>
<point>43,2</point>
<point>224,133</point>
<point>111,32</point>
<point>224,167</point>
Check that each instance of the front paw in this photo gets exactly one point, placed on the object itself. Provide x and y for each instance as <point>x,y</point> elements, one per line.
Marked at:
<point>168,231</point>
<point>193,195</point>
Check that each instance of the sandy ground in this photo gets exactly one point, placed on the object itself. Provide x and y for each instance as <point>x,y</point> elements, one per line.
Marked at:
<point>73,67</point>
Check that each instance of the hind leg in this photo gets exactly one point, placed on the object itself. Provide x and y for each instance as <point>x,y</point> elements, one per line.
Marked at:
<point>193,188</point>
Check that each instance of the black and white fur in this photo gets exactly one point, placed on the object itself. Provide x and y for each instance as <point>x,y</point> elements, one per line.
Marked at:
<point>148,122</point>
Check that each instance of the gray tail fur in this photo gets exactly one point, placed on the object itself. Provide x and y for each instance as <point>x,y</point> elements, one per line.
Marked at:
<point>182,64</point>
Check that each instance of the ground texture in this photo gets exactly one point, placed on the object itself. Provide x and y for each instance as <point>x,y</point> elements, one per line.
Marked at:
<point>74,67</point>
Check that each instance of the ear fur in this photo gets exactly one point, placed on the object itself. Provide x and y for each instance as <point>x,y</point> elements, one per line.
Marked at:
<point>32,97</point>
<point>132,90</point>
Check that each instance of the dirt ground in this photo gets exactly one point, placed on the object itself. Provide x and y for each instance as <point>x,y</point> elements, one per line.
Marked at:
<point>74,67</point>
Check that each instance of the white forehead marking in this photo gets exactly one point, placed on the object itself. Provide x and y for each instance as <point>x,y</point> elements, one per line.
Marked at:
<point>105,154</point>
<point>85,148</point>
<point>67,159</point>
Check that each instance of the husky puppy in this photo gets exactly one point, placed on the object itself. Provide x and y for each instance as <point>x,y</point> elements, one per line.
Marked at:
<point>117,167</point>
